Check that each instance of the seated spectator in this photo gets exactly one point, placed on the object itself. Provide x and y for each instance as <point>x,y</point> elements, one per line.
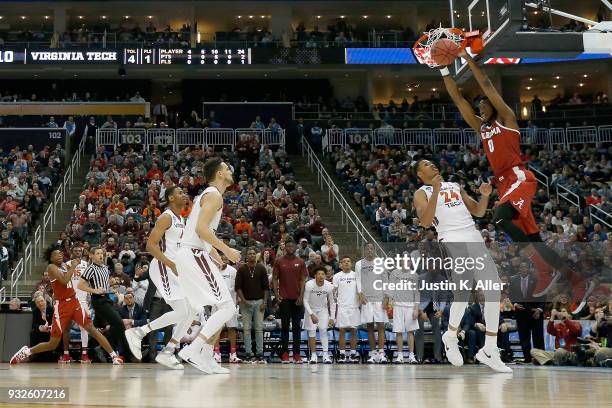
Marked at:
<point>243,226</point>
<point>132,313</point>
<point>566,333</point>
<point>330,253</point>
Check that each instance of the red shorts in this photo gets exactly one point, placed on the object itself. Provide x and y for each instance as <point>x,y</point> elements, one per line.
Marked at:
<point>518,187</point>
<point>64,312</point>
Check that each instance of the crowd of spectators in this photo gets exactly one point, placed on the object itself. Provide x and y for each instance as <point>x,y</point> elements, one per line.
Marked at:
<point>123,196</point>
<point>382,182</point>
<point>102,34</point>
<point>27,180</point>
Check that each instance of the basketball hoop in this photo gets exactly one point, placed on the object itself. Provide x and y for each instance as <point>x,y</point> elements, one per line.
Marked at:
<point>422,47</point>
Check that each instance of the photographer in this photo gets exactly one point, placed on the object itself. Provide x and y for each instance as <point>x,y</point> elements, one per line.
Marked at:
<point>566,333</point>
<point>600,339</point>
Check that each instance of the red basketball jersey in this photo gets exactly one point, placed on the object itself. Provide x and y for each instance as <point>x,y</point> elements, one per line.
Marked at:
<point>502,147</point>
<point>61,291</point>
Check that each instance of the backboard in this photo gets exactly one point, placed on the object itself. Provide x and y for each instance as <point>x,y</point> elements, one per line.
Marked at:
<point>506,37</point>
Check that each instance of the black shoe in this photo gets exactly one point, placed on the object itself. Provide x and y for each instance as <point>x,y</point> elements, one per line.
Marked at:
<point>341,359</point>
<point>260,360</point>
<point>99,354</point>
<point>607,363</point>
<point>354,358</point>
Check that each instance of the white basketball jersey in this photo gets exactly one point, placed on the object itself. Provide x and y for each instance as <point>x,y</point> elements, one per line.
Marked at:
<point>317,297</point>
<point>345,284</point>
<point>76,276</point>
<point>191,237</point>
<point>171,240</point>
<point>451,212</point>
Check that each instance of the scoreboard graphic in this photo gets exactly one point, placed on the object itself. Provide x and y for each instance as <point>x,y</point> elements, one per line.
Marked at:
<point>129,56</point>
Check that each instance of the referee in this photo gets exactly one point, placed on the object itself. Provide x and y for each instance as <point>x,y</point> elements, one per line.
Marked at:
<point>95,280</point>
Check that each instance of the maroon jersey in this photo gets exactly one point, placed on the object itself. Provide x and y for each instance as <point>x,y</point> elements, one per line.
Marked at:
<point>61,291</point>
<point>502,147</point>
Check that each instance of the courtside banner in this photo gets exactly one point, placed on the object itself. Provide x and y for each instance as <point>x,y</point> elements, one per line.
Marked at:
<point>380,56</point>
<point>37,137</point>
<point>495,271</point>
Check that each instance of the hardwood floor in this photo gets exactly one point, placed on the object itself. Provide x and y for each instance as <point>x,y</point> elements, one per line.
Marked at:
<point>149,385</point>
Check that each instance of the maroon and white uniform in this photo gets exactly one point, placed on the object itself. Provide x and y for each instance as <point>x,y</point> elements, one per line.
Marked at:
<point>167,283</point>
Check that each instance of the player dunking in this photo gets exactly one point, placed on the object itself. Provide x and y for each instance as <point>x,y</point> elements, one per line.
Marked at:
<point>449,209</point>
<point>199,261</point>
<point>163,244</point>
<point>66,309</point>
<point>499,132</point>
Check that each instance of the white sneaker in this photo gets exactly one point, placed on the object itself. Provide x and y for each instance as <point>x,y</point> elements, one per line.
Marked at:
<point>193,356</point>
<point>490,356</point>
<point>327,359</point>
<point>167,359</point>
<point>234,359</point>
<point>313,359</point>
<point>134,340</point>
<point>412,359</point>
<point>217,357</point>
<point>374,357</point>
<point>216,368</point>
<point>382,358</point>
<point>451,345</point>
<point>399,359</point>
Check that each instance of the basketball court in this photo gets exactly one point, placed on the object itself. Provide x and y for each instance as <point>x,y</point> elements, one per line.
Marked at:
<point>306,386</point>
<point>501,26</point>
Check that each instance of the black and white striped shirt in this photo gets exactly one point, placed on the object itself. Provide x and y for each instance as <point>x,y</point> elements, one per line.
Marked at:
<point>97,276</point>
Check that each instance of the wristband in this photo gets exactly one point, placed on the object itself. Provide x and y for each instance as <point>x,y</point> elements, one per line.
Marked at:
<point>444,71</point>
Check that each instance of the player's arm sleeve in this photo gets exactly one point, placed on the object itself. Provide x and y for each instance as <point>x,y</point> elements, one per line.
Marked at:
<point>332,304</point>
<point>358,276</point>
<point>307,292</point>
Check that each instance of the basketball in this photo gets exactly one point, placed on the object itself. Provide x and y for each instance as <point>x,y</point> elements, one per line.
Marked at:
<point>444,51</point>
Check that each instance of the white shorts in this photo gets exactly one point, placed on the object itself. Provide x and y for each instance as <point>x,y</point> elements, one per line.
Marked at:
<point>201,281</point>
<point>402,319</point>
<point>233,322</point>
<point>348,317</point>
<point>167,283</point>
<point>373,312</point>
<point>322,315</point>
<point>468,244</point>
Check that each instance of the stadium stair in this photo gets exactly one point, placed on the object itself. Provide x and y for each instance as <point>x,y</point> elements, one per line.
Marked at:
<point>347,241</point>
<point>62,216</point>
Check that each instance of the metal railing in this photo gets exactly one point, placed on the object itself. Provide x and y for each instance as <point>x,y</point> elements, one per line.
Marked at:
<point>338,202</point>
<point>178,139</point>
<point>541,177</point>
<point>34,248</point>
<point>2,295</point>
<point>548,138</point>
<point>600,215</point>
<point>568,196</point>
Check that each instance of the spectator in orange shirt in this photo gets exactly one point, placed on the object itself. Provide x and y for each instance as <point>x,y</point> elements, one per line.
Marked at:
<point>151,212</point>
<point>243,225</point>
<point>105,191</point>
<point>116,204</point>
<point>187,209</point>
<point>9,205</point>
<point>153,171</point>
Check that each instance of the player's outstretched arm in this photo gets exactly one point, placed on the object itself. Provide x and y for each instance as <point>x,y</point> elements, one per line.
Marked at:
<point>462,104</point>
<point>426,209</point>
<point>211,203</point>
<point>503,110</point>
<point>478,208</point>
<point>161,226</point>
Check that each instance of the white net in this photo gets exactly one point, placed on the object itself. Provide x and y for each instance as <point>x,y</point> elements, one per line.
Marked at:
<point>422,49</point>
